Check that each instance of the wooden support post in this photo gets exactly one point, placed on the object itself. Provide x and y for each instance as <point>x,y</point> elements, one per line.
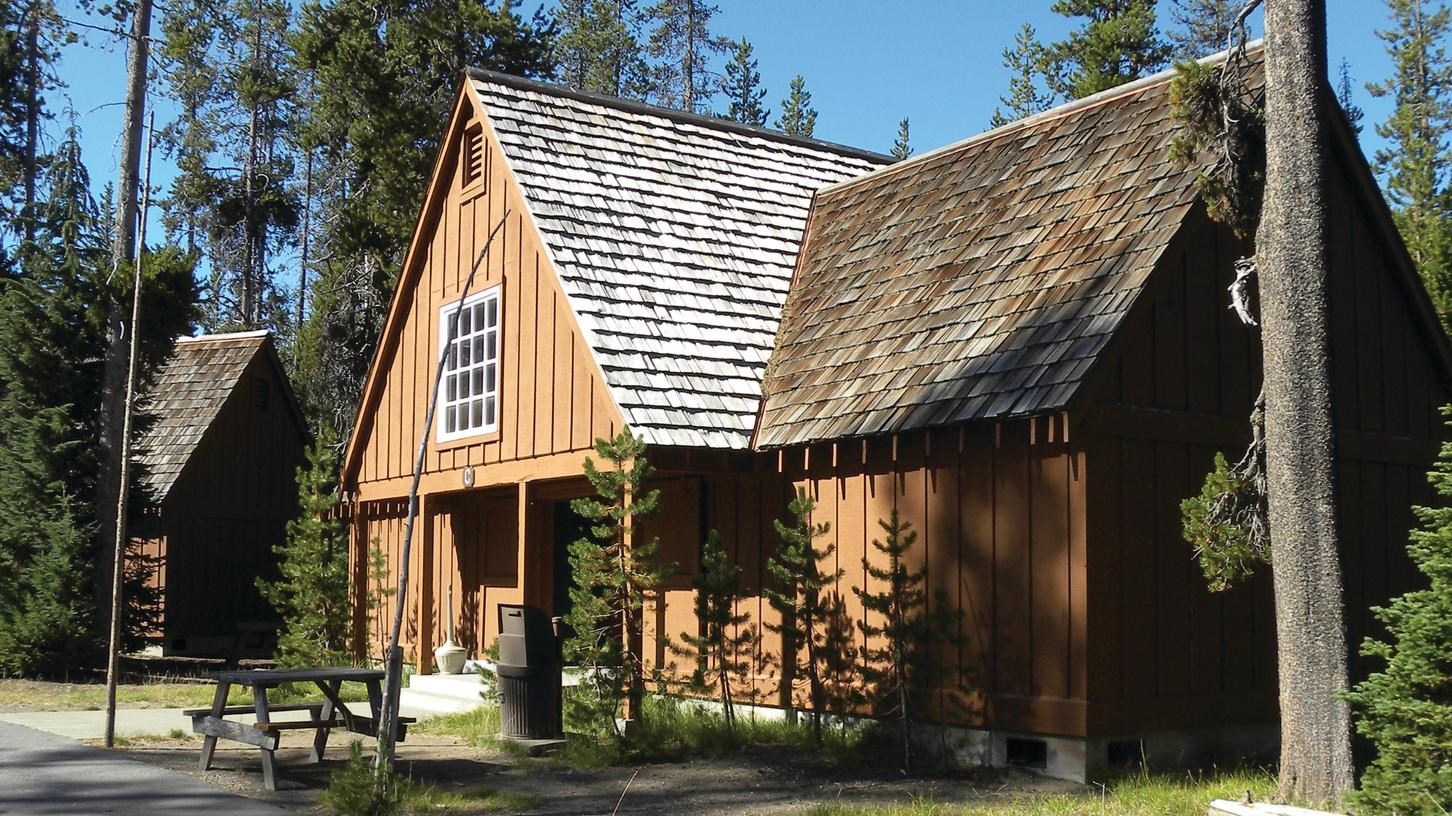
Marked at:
<point>269,760</point>
<point>219,705</point>
<point>424,569</point>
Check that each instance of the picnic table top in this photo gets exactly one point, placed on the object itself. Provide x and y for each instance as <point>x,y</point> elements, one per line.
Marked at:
<point>273,677</point>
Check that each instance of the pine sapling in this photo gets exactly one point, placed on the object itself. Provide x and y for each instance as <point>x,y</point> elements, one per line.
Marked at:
<point>902,649</point>
<point>1405,709</point>
<point>722,647</point>
<point>802,594</point>
<point>311,591</point>
<point>613,572</point>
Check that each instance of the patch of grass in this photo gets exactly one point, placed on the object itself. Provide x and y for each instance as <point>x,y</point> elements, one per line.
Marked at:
<point>1186,794</point>
<point>479,728</point>
<point>353,791</point>
<point>676,729</point>
<point>40,695</point>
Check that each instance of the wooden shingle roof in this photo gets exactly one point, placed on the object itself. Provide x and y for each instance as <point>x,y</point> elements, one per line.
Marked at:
<point>980,280</point>
<point>185,399</point>
<point>674,237</point>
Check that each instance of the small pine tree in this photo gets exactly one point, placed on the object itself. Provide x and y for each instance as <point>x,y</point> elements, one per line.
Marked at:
<point>742,86</point>
<point>1118,42</point>
<point>1406,709</point>
<point>902,146</point>
<point>311,592</point>
<point>613,571</point>
<point>798,117</point>
<point>721,648</point>
<point>803,595</point>
<point>905,666</point>
<point>1344,97</point>
<point>1202,27</point>
<point>1022,59</point>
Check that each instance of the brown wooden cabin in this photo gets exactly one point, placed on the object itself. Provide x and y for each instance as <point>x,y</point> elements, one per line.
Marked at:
<point>1020,341</point>
<point>218,463</point>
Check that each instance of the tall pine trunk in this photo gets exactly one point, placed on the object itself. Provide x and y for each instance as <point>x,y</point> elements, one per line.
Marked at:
<point>1293,256</point>
<point>123,250</point>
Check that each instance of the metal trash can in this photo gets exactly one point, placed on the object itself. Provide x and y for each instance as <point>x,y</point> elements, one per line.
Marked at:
<point>529,674</point>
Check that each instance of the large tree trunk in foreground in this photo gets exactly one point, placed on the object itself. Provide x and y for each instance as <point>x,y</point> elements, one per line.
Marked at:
<point>123,250</point>
<point>1291,247</point>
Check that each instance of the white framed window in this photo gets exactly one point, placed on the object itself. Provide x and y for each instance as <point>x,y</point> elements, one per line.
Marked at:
<point>469,393</point>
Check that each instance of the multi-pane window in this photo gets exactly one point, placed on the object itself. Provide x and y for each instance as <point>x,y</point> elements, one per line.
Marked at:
<point>469,397</point>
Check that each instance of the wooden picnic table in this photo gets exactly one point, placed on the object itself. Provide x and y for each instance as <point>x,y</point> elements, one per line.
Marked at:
<point>331,713</point>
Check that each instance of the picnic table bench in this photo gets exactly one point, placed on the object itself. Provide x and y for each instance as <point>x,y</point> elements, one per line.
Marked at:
<point>323,717</point>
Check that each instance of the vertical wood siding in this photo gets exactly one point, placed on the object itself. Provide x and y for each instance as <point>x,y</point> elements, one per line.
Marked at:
<point>1165,652</point>
<point>227,511</point>
<point>551,399</point>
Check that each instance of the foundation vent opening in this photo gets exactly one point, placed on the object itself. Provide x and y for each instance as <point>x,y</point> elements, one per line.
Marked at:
<point>1026,753</point>
<point>1125,755</point>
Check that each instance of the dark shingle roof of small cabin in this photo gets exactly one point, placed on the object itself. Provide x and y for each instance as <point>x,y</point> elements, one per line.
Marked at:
<point>674,237</point>
<point>185,399</point>
<point>980,280</point>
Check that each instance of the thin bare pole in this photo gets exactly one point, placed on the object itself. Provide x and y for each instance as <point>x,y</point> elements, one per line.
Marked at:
<point>388,718</point>
<point>118,572</point>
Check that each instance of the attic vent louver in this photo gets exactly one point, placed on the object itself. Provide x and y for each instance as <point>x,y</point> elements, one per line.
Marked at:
<point>473,153</point>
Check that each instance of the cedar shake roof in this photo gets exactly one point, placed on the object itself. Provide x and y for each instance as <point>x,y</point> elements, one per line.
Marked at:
<point>674,237</point>
<point>185,399</point>
<point>980,280</point>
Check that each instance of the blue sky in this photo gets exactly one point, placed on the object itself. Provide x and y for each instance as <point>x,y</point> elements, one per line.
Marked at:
<point>867,64</point>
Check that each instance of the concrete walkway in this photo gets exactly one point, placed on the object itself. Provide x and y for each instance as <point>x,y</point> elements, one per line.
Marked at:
<point>82,725</point>
<point>45,774</point>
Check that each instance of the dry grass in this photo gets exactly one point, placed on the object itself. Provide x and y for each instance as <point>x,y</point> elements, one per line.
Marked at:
<point>1148,795</point>
<point>41,695</point>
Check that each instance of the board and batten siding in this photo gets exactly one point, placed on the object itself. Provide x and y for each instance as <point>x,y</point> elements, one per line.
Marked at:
<point>215,532</point>
<point>1178,387</point>
<point>552,399</point>
<point>553,402</point>
<point>999,519</point>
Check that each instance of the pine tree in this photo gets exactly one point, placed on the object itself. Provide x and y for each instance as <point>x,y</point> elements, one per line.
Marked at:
<point>802,592</point>
<point>188,66</point>
<point>1416,166</point>
<point>51,344</point>
<point>613,570</point>
<point>1292,254</point>
<point>32,34</point>
<point>1344,97</point>
<point>385,76</point>
<point>1202,27</point>
<point>1404,709</point>
<point>742,87</point>
<point>906,666</point>
<point>311,592</point>
<point>1117,43</point>
<point>901,146</point>
<point>599,47</point>
<point>1023,59</point>
<point>722,646</point>
<point>798,117</point>
<point>682,44</point>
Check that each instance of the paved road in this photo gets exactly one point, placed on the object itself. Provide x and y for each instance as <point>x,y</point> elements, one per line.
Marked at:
<point>46,774</point>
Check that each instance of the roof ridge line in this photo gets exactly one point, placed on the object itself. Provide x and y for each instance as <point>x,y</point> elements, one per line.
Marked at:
<point>241,335</point>
<point>1057,112</point>
<point>713,122</point>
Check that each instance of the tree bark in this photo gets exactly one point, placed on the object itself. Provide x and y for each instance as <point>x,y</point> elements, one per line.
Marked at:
<point>1292,248</point>
<point>123,249</point>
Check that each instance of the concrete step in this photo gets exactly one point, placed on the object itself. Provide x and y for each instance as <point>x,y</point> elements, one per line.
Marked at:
<point>434,694</point>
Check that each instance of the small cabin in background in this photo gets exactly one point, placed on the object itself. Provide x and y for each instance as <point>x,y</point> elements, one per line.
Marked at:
<point>1020,342</point>
<point>218,464</point>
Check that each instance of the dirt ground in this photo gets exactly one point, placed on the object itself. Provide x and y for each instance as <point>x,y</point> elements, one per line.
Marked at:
<point>764,783</point>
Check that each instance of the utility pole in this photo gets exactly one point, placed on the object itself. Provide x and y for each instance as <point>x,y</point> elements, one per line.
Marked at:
<point>118,572</point>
